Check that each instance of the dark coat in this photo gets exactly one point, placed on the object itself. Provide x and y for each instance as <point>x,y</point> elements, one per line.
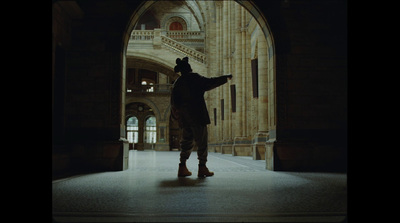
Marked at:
<point>187,98</point>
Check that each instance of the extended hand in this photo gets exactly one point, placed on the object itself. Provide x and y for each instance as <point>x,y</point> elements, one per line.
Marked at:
<point>229,76</point>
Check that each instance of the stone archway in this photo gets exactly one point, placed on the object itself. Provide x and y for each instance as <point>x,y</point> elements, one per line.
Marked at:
<point>159,107</point>
<point>267,95</point>
<point>140,111</point>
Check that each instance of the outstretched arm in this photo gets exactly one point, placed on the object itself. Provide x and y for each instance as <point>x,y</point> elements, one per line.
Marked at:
<point>213,82</point>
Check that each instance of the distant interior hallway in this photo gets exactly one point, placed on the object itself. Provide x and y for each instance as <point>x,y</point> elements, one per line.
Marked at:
<point>241,191</point>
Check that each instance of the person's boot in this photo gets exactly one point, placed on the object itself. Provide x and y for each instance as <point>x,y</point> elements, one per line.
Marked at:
<point>204,172</point>
<point>183,171</point>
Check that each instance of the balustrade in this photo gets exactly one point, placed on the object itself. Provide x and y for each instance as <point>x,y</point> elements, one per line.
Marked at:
<point>172,39</point>
<point>142,35</point>
<point>181,48</point>
<point>186,36</point>
<point>155,88</point>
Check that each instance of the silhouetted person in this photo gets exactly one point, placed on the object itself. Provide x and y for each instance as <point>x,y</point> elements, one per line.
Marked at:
<point>189,108</point>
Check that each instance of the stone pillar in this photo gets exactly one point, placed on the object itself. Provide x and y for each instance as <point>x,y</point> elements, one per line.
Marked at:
<point>218,27</point>
<point>262,135</point>
<point>231,44</point>
<point>122,127</point>
<point>241,143</point>
<point>217,98</point>
<point>225,48</point>
<point>140,144</point>
<point>157,39</point>
<point>246,43</point>
<point>262,84</point>
<point>271,95</point>
<point>238,71</point>
<point>162,142</point>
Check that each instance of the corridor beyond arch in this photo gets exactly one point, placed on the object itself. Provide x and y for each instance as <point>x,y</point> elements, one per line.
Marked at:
<point>242,143</point>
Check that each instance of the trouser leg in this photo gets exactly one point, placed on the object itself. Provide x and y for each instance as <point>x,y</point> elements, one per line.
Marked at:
<point>186,144</point>
<point>201,138</point>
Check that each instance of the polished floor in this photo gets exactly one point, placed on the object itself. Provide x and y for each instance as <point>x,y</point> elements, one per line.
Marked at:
<point>241,190</point>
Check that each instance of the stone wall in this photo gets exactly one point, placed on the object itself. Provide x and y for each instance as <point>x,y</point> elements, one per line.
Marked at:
<point>311,86</point>
<point>241,116</point>
<point>92,91</point>
<point>304,87</point>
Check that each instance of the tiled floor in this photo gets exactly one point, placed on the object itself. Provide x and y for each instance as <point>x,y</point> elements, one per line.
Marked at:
<point>241,190</point>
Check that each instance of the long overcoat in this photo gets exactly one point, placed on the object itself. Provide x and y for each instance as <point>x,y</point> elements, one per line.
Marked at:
<point>187,98</point>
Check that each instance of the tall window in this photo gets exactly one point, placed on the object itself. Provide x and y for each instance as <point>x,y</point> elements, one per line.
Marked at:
<point>254,74</point>
<point>233,97</point>
<point>150,130</point>
<point>132,128</point>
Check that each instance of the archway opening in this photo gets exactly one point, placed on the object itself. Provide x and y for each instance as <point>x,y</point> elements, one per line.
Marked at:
<point>132,128</point>
<point>235,39</point>
<point>141,126</point>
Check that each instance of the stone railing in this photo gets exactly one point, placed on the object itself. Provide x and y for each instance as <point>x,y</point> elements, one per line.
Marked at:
<point>158,37</point>
<point>186,36</point>
<point>155,88</point>
<point>180,36</point>
<point>183,49</point>
<point>142,35</point>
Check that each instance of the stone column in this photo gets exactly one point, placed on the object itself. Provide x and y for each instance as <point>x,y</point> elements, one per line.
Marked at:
<point>217,99</point>
<point>237,80</point>
<point>246,38</point>
<point>262,135</point>
<point>140,144</point>
<point>162,142</point>
<point>262,84</point>
<point>225,48</point>
<point>271,95</point>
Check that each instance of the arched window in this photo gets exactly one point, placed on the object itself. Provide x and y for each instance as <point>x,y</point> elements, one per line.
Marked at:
<point>175,26</point>
<point>174,23</point>
<point>150,133</point>
<point>132,127</point>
